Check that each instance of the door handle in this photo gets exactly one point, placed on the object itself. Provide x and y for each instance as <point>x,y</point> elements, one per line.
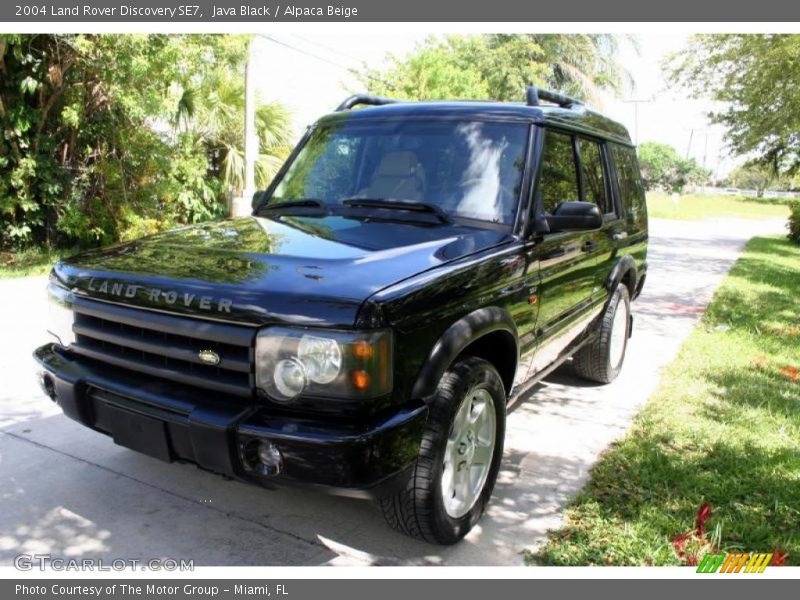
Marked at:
<point>618,236</point>
<point>589,245</point>
<point>556,253</point>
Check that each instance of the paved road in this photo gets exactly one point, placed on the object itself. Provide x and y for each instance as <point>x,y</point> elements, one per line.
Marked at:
<point>72,493</point>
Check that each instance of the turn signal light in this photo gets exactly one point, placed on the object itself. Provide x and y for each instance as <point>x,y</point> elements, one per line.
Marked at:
<point>360,379</point>
<point>363,350</point>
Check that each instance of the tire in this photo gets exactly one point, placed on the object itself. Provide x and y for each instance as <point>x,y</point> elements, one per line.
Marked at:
<point>601,359</point>
<point>420,509</point>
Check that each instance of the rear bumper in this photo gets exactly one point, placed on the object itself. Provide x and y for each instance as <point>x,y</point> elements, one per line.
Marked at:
<point>219,434</point>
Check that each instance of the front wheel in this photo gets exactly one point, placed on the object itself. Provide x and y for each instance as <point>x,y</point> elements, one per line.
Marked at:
<point>601,359</point>
<point>459,457</point>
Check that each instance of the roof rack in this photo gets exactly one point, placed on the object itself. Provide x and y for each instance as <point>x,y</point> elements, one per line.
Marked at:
<point>534,94</point>
<point>364,99</point>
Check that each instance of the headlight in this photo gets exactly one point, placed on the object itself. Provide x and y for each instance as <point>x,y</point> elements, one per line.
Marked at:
<point>59,315</point>
<point>321,356</point>
<point>336,364</point>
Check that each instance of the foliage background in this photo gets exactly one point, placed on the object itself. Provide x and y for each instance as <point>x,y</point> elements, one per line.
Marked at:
<point>501,66</point>
<point>664,169</point>
<point>109,137</point>
<point>753,78</point>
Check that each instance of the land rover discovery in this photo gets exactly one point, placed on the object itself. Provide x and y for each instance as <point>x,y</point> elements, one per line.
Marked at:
<point>411,270</point>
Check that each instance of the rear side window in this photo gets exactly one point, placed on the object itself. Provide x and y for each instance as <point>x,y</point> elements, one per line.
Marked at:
<point>558,181</point>
<point>629,179</point>
<point>594,179</point>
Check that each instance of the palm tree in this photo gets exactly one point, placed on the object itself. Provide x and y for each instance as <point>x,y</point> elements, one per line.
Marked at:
<point>584,65</point>
<point>213,112</point>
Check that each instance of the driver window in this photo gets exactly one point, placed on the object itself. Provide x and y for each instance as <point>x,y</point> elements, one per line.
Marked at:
<point>558,181</point>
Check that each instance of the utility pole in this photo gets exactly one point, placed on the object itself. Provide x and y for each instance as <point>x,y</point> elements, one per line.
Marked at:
<point>636,104</point>
<point>705,133</point>
<point>250,136</point>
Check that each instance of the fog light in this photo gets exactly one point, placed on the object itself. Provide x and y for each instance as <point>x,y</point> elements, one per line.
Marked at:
<point>47,385</point>
<point>270,459</point>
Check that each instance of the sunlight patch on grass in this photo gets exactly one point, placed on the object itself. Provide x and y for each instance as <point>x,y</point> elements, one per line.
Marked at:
<point>695,206</point>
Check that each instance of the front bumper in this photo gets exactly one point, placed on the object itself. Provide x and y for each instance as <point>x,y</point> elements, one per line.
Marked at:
<point>355,459</point>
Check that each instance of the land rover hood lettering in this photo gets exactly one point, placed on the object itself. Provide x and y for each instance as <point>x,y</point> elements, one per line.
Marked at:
<point>159,296</point>
<point>315,272</point>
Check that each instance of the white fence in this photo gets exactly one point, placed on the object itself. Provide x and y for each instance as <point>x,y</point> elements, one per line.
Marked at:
<point>716,191</point>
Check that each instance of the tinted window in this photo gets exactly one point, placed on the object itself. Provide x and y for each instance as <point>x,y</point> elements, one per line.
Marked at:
<point>469,169</point>
<point>558,181</point>
<point>629,179</point>
<point>594,180</point>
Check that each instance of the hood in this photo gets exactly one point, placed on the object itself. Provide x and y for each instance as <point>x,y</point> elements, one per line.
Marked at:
<point>302,270</point>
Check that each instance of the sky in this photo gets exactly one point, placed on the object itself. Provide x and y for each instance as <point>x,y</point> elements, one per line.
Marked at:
<point>666,113</point>
<point>311,74</point>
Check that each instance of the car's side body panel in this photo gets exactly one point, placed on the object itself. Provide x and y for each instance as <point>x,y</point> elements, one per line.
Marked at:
<point>553,286</point>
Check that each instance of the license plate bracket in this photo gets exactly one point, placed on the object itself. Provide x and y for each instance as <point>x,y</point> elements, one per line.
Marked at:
<point>139,432</point>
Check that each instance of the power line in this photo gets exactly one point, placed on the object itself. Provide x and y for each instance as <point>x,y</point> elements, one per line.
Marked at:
<point>326,47</point>
<point>325,60</point>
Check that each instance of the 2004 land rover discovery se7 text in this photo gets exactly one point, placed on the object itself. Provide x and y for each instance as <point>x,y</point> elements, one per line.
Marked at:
<point>411,269</point>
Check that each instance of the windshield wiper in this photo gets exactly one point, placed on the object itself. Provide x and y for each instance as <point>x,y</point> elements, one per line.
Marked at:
<point>289,204</point>
<point>398,204</point>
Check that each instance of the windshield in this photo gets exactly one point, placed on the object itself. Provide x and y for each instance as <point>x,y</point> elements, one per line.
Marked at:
<point>471,170</point>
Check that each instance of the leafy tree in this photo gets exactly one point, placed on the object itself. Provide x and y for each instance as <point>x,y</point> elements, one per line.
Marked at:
<point>663,168</point>
<point>754,77</point>
<point>501,67</point>
<point>101,139</point>
<point>437,69</point>
<point>756,176</point>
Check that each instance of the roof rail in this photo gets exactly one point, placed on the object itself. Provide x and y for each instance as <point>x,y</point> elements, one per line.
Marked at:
<point>534,94</point>
<point>364,99</point>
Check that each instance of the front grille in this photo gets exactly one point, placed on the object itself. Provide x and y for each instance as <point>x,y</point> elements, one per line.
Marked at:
<point>165,346</point>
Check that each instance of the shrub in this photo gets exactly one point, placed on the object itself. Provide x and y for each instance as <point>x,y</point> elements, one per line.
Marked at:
<point>794,222</point>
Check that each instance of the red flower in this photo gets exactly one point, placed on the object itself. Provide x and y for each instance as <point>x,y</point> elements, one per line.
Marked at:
<point>680,541</point>
<point>779,558</point>
<point>700,522</point>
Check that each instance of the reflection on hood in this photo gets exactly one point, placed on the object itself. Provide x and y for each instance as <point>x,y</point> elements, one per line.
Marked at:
<point>289,266</point>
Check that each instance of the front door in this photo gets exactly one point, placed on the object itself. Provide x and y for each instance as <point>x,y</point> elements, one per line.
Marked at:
<point>568,261</point>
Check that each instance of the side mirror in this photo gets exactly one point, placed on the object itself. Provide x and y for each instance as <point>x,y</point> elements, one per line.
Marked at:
<point>574,216</point>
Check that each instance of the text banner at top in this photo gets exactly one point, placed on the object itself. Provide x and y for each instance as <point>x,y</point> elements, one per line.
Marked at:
<point>494,11</point>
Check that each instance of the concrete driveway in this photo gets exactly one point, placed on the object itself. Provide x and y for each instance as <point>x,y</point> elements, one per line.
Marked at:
<point>72,493</point>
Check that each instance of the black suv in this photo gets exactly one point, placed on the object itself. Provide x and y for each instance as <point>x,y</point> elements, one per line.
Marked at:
<point>411,270</point>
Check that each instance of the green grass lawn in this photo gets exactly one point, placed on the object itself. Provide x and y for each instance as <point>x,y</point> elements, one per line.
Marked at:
<point>29,262</point>
<point>723,428</point>
<point>695,206</point>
